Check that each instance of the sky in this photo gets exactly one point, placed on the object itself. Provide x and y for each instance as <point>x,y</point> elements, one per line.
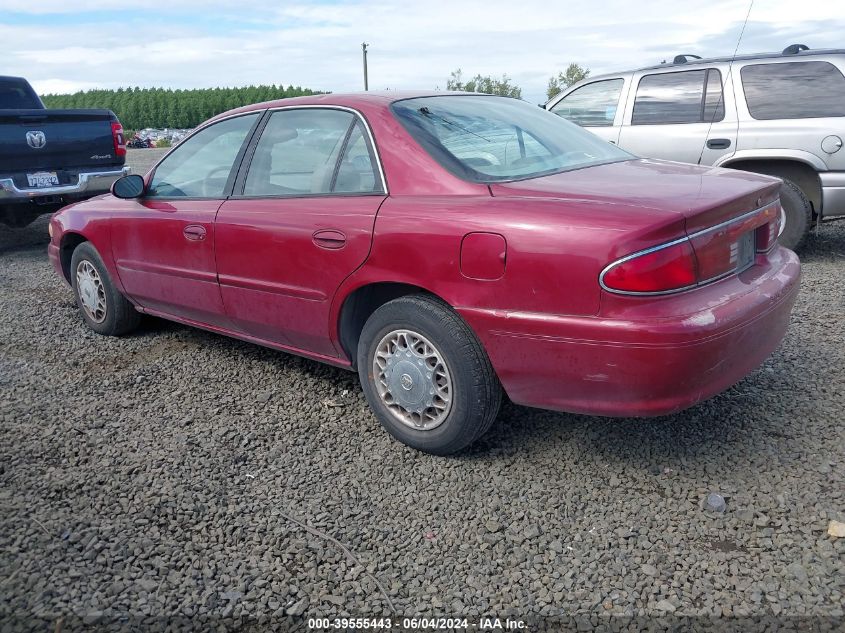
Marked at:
<point>62,46</point>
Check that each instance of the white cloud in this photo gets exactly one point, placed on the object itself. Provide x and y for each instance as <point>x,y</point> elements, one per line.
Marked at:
<point>412,44</point>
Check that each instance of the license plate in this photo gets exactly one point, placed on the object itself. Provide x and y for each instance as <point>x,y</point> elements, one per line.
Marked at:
<point>43,179</point>
<point>745,249</point>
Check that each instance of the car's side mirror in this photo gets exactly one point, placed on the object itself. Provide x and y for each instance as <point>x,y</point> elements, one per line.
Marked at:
<point>131,186</point>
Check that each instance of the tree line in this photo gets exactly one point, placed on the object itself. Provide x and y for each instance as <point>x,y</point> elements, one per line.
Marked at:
<point>505,88</point>
<point>138,108</point>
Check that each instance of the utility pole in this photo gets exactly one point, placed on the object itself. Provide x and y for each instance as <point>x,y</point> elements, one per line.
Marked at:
<point>364,49</point>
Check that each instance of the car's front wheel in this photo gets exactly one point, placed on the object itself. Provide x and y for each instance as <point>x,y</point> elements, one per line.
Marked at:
<point>426,376</point>
<point>103,308</point>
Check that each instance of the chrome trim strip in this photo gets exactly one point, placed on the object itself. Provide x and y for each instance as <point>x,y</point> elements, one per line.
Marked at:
<point>327,106</point>
<point>688,238</point>
<point>87,181</point>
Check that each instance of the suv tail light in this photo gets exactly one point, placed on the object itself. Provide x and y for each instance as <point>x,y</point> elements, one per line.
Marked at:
<point>117,137</point>
<point>700,258</point>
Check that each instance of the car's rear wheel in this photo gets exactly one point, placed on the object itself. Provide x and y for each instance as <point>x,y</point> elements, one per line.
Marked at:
<point>798,216</point>
<point>101,305</point>
<point>426,376</point>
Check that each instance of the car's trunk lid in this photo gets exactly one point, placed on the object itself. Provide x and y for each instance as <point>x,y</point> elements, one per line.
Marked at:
<point>703,196</point>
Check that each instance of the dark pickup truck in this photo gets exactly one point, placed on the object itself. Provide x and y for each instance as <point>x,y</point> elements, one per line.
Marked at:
<point>49,158</point>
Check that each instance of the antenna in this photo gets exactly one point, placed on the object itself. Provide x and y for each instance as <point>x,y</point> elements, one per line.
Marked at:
<point>727,79</point>
<point>364,46</point>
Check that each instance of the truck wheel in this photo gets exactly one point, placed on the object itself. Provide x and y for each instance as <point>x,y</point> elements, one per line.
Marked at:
<point>798,213</point>
<point>426,376</point>
<point>103,308</point>
<point>17,220</point>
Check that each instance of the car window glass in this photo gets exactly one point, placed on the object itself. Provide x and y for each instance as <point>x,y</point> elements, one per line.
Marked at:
<point>356,172</point>
<point>678,98</point>
<point>498,139</point>
<point>297,153</point>
<point>16,95</point>
<point>200,165</point>
<point>714,100</point>
<point>593,105</point>
<point>793,90</point>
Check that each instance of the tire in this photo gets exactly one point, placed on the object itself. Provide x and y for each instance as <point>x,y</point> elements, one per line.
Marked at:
<point>423,340</point>
<point>107,311</point>
<point>799,216</point>
<point>19,219</point>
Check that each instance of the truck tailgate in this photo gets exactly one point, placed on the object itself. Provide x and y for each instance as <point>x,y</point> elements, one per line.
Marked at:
<point>71,139</point>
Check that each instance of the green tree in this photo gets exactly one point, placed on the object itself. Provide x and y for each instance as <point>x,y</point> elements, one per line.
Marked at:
<point>487,84</point>
<point>139,108</point>
<point>573,74</point>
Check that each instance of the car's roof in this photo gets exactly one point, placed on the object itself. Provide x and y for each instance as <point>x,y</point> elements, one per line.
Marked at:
<point>724,60</point>
<point>355,100</point>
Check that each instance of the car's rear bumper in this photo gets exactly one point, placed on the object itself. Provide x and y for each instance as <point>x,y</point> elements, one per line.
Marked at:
<point>88,184</point>
<point>641,364</point>
<point>833,193</point>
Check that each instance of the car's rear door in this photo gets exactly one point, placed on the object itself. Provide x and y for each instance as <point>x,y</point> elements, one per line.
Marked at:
<point>300,222</point>
<point>597,106</point>
<point>163,242</point>
<point>682,115</point>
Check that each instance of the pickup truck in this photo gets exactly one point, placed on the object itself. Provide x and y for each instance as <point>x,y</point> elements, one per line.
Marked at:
<point>49,158</point>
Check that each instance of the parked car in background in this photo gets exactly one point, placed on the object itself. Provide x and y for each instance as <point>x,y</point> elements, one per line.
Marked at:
<point>445,246</point>
<point>780,114</point>
<point>51,157</point>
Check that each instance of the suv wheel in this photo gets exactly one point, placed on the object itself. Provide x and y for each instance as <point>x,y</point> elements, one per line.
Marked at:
<point>798,214</point>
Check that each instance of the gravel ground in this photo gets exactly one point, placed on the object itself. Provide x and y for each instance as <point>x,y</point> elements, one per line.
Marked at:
<point>170,473</point>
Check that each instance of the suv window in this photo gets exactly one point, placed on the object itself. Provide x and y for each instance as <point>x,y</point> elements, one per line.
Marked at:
<point>298,155</point>
<point>200,165</point>
<point>690,96</point>
<point>593,105</point>
<point>793,90</point>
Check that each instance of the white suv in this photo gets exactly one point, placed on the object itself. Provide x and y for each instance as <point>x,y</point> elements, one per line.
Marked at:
<point>780,114</point>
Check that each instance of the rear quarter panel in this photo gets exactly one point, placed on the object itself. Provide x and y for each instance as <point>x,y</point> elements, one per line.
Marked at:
<point>555,249</point>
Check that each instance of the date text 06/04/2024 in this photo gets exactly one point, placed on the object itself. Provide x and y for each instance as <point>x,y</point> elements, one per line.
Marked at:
<point>449,624</point>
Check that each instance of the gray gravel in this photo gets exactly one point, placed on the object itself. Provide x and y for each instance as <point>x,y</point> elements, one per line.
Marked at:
<point>168,473</point>
<point>141,160</point>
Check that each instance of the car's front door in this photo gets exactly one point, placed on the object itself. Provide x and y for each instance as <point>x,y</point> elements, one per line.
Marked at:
<point>595,106</point>
<point>301,221</point>
<point>685,116</point>
<point>163,242</point>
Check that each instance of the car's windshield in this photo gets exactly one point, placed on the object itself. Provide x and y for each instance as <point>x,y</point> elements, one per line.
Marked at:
<point>495,139</point>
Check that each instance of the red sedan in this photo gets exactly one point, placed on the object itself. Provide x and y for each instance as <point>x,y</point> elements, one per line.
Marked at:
<point>445,246</point>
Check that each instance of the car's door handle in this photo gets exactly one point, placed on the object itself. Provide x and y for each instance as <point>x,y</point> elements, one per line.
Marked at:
<point>194,232</point>
<point>719,143</point>
<point>329,239</point>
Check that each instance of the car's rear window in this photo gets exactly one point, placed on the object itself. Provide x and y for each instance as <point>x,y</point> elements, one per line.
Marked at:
<point>794,90</point>
<point>17,95</point>
<point>496,139</point>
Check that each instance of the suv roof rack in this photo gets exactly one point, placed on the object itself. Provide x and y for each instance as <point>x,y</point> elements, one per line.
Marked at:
<point>682,59</point>
<point>794,49</point>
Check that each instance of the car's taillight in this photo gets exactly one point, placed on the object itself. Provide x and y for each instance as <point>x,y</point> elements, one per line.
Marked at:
<point>663,269</point>
<point>117,137</point>
<point>702,257</point>
<point>767,235</point>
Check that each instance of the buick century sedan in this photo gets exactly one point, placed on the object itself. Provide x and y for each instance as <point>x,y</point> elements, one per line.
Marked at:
<point>450,248</point>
